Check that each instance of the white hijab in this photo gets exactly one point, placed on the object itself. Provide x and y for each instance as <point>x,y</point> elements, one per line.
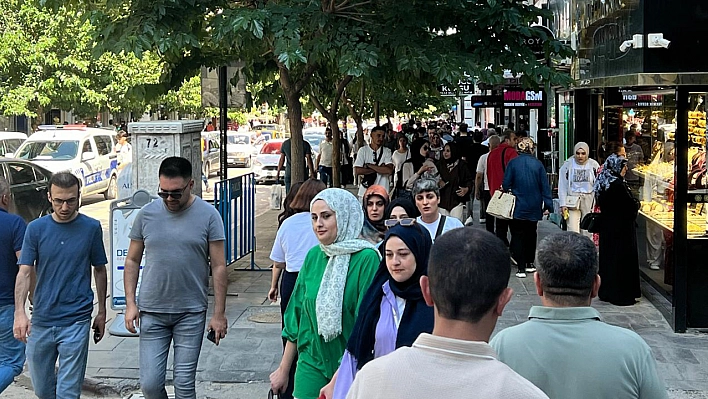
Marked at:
<point>350,219</point>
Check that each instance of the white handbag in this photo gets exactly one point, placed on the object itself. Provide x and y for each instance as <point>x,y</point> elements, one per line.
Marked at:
<point>276,196</point>
<point>502,205</point>
<point>572,201</point>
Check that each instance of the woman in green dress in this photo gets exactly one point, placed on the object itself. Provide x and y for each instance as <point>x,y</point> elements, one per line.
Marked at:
<point>323,308</point>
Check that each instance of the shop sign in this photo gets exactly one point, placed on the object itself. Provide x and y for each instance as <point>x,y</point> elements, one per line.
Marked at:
<point>642,100</point>
<point>523,98</point>
<point>463,89</point>
<point>535,43</point>
<point>482,101</point>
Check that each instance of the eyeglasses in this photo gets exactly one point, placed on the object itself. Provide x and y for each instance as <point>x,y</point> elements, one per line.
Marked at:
<point>403,222</point>
<point>61,202</point>
<point>174,194</point>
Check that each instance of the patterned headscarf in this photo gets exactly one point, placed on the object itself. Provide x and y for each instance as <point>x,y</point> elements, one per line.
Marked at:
<point>611,171</point>
<point>525,145</point>
<point>350,219</point>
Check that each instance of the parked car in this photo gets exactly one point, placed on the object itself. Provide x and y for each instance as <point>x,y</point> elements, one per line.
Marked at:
<point>86,152</point>
<point>29,184</point>
<point>239,149</point>
<point>266,162</point>
<point>212,151</point>
<point>10,141</point>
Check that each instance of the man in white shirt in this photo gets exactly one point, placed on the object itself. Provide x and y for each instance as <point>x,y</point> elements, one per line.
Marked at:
<point>374,158</point>
<point>324,158</point>
<point>467,284</point>
<point>481,190</point>
<point>426,195</point>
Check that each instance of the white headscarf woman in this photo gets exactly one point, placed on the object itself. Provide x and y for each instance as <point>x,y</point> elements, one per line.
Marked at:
<point>575,186</point>
<point>350,219</point>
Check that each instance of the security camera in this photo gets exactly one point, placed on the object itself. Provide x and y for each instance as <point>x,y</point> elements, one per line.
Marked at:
<point>656,40</point>
<point>626,45</point>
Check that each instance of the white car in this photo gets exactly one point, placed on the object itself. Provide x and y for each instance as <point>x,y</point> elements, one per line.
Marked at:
<point>266,162</point>
<point>240,149</point>
<point>86,152</point>
<point>10,142</point>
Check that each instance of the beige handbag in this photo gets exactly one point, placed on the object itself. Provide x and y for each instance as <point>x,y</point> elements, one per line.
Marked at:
<point>502,205</point>
<point>572,201</point>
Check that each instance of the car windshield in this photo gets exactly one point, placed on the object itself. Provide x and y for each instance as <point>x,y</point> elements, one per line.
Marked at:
<point>271,148</point>
<point>314,140</point>
<point>49,150</point>
<point>238,139</point>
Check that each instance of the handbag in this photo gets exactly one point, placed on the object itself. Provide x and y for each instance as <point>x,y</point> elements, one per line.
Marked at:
<point>502,205</point>
<point>592,222</point>
<point>572,201</point>
<point>370,179</point>
<point>273,395</point>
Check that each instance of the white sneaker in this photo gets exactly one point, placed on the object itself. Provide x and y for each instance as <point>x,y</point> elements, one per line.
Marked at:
<point>469,221</point>
<point>521,275</point>
<point>654,267</point>
<point>530,269</point>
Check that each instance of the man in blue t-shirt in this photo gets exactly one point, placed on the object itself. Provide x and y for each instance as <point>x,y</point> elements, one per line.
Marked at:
<point>61,247</point>
<point>12,231</point>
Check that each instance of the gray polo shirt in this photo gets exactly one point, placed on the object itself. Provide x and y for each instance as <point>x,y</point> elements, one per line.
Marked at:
<point>572,353</point>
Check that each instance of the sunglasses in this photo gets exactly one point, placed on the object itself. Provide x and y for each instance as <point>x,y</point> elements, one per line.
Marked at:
<point>174,194</point>
<point>403,222</point>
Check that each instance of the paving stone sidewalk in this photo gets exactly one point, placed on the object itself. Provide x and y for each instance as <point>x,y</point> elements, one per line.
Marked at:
<point>239,367</point>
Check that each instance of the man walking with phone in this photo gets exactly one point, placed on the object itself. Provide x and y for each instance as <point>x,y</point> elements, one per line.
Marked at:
<point>182,236</point>
<point>61,248</point>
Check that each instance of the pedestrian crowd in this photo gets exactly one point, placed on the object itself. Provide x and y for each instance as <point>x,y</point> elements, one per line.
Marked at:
<point>390,295</point>
<point>384,295</point>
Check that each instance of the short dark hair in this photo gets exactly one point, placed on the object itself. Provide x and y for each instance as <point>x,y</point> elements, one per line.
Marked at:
<point>176,167</point>
<point>378,128</point>
<point>469,269</point>
<point>567,266</point>
<point>64,180</point>
<point>463,127</point>
<point>629,134</point>
<point>307,191</point>
<point>478,136</point>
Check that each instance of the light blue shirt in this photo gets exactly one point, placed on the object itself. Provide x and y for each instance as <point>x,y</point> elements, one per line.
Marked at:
<point>572,353</point>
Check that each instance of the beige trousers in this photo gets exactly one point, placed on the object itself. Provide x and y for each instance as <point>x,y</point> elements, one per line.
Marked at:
<point>576,215</point>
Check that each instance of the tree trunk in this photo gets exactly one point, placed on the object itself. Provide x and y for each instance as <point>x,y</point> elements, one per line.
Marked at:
<point>377,115</point>
<point>336,150</point>
<point>297,150</point>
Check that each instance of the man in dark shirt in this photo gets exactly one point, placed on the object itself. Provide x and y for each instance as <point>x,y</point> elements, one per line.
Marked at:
<point>285,154</point>
<point>12,232</point>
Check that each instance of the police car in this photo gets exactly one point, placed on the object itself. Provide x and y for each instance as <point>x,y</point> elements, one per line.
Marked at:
<point>88,153</point>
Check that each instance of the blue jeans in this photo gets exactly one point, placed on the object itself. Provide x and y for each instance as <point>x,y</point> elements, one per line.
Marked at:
<point>157,331</point>
<point>12,351</point>
<point>70,344</point>
<point>326,175</point>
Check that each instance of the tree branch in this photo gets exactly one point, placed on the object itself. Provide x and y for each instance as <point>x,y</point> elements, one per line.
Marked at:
<point>306,77</point>
<point>316,102</point>
<point>342,7</point>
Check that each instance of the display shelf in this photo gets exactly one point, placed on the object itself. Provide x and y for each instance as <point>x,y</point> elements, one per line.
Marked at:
<point>696,224</point>
<point>661,183</point>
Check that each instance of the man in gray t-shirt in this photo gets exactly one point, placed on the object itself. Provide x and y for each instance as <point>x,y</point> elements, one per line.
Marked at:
<point>182,237</point>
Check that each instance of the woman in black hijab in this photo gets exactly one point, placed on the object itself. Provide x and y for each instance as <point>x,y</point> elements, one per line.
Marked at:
<point>393,312</point>
<point>456,180</point>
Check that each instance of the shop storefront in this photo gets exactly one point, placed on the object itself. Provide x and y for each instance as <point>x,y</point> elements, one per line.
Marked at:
<point>658,90</point>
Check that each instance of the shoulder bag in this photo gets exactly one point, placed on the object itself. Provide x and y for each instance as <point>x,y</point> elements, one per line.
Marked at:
<point>370,179</point>
<point>502,205</point>
<point>592,222</point>
<point>571,201</point>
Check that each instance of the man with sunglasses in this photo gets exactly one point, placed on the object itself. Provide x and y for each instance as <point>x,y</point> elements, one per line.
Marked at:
<point>61,248</point>
<point>182,236</point>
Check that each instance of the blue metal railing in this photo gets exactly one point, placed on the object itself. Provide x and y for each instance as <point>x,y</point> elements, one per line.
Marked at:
<point>235,199</point>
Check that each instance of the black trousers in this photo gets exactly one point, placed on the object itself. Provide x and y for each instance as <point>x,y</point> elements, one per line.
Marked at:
<point>287,286</point>
<point>484,198</point>
<point>502,228</point>
<point>523,241</point>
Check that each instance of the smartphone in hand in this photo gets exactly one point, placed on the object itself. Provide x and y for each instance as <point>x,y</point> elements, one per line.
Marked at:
<point>96,335</point>
<point>211,336</point>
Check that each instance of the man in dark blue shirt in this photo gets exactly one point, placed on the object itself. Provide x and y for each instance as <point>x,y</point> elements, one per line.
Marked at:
<point>61,248</point>
<point>12,231</point>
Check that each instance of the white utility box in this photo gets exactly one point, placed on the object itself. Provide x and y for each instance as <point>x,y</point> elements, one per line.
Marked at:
<point>154,141</point>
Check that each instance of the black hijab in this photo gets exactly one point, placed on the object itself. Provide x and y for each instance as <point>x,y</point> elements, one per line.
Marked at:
<point>411,210</point>
<point>417,316</point>
<point>416,159</point>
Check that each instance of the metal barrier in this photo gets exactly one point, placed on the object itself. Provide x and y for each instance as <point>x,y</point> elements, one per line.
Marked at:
<point>235,199</point>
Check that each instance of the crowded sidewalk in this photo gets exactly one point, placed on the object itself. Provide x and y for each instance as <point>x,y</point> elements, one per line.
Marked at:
<point>239,367</point>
